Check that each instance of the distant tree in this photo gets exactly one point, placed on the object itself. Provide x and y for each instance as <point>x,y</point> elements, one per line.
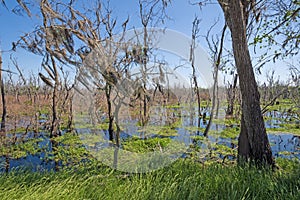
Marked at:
<point>3,118</point>
<point>231,90</point>
<point>295,91</point>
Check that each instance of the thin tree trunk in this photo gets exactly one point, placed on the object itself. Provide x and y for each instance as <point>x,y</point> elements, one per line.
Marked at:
<point>195,31</point>
<point>70,115</point>
<point>144,61</point>
<point>3,118</point>
<point>54,112</point>
<point>231,96</point>
<point>7,163</point>
<point>110,115</point>
<point>215,85</point>
<point>118,129</point>
<point>198,102</point>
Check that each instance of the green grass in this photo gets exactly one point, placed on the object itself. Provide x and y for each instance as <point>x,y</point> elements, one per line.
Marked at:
<point>286,128</point>
<point>183,179</point>
<point>231,133</point>
<point>160,130</point>
<point>145,145</point>
<point>20,149</point>
<point>284,104</point>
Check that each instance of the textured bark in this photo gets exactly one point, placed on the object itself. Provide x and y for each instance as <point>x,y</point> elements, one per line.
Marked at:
<point>244,150</point>
<point>253,131</point>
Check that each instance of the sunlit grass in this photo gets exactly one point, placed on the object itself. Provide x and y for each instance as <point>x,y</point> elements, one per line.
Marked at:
<point>286,128</point>
<point>183,179</point>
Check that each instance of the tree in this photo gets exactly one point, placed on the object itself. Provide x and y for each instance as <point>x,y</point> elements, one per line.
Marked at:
<point>23,6</point>
<point>195,35</point>
<point>277,30</point>
<point>3,118</point>
<point>253,141</point>
<point>152,12</point>
<point>55,43</point>
<point>217,55</point>
<point>231,95</point>
<point>277,23</point>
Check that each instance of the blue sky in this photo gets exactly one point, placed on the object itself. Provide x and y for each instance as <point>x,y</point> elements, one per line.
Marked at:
<point>180,11</point>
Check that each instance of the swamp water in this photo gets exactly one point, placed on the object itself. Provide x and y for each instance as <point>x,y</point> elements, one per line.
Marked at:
<point>284,145</point>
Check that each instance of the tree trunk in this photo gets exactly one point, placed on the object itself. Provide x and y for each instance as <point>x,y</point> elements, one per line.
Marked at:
<point>3,118</point>
<point>54,124</point>
<point>253,131</point>
<point>231,96</point>
<point>195,31</point>
<point>144,74</point>
<point>215,85</point>
<point>70,126</point>
<point>109,111</point>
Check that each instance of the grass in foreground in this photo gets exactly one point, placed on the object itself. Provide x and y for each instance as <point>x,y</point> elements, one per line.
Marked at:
<point>183,179</point>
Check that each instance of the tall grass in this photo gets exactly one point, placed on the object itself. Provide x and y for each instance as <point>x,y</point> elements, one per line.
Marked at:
<point>183,179</point>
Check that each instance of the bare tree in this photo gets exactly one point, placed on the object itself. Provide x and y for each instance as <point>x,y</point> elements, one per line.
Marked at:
<point>106,63</point>
<point>271,84</point>
<point>152,12</point>
<point>53,41</point>
<point>3,118</point>
<point>217,63</point>
<point>231,95</point>
<point>295,91</point>
<point>195,35</point>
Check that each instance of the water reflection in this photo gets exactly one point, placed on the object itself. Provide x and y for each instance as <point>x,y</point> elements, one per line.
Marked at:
<point>282,145</point>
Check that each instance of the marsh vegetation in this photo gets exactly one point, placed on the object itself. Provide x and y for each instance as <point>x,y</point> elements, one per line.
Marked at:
<point>110,115</point>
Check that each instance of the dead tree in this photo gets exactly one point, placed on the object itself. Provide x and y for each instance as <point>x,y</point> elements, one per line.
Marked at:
<point>151,14</point>
<point>3,118</point>
<point>195,35</point>
<point>112,60</point>
<point>145,20</point>
<point>217,55</point>
<point>231,96</point>
<point>54,41</point>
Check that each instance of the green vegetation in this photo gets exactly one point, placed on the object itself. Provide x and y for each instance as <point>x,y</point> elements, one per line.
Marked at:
<point>112,87</point>
<point>183,179</point>
<point>145,145</point>
<point>20,149</point>
<point>282,105</point>
<point>193,129</point>
<point>229,122</point>
<point>68,149</point>
<point>286,128</point>
<point>231,133</point>
<point>159,130</point>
